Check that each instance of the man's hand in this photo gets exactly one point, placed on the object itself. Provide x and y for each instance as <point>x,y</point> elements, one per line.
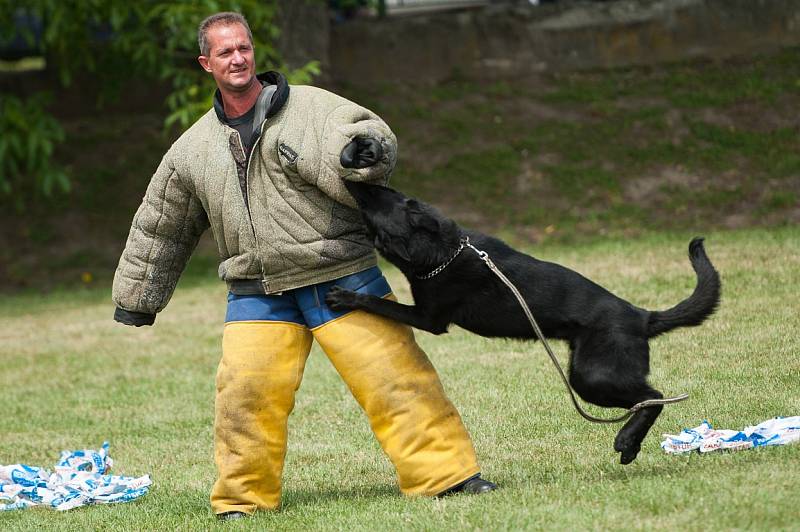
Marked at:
<point>137,319</point>
<point>362,152</point>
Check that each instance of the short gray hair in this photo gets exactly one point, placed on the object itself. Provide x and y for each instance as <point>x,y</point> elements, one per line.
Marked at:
<point>226,18</point>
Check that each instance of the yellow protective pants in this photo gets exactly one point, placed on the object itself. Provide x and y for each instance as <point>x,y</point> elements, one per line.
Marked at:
<point>389,375</point>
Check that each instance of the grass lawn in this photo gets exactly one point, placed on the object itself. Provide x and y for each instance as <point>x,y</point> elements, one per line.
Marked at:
<point>72,378</point>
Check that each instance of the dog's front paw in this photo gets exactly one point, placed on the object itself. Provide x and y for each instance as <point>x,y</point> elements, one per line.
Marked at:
<point>341,299</point>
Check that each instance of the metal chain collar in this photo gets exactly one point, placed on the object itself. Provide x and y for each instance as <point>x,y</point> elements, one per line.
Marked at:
<point>461,244</point>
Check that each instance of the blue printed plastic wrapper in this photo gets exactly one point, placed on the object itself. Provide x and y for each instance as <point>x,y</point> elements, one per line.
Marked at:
<point>87,460</point>
<point>704,438</point>
<point>79,478</point>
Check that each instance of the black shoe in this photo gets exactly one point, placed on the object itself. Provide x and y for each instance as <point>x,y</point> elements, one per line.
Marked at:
<point>473,486</point>
<point>477,485</point>
<point>230,516</point>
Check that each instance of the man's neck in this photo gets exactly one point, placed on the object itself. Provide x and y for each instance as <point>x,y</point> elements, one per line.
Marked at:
<point>238,103</point>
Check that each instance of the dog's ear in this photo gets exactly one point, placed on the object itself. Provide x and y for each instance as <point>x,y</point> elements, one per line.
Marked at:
<point>421,220</point>
<point>400,249</point>
<point>389,245</point>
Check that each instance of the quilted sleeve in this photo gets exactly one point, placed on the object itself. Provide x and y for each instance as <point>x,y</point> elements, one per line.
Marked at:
<point>342,125</point>
<point>163,235</point>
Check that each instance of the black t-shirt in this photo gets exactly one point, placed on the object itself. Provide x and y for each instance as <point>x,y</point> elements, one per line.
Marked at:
<point>244,125</point>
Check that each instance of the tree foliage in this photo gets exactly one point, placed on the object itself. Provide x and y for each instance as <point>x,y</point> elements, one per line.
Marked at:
<point>29,136</point>
<point>114,42</point>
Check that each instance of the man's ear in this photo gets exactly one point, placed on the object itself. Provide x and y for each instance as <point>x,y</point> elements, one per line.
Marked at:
<point>203,60</point>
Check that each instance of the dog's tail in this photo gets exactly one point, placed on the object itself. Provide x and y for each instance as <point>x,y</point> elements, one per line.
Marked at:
<point>700,305</point>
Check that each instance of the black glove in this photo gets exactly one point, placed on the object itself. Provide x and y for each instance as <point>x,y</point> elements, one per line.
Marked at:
<point>137,319</point>
<point>361,153</point>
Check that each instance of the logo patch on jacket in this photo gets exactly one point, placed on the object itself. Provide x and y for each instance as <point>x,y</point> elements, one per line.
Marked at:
<point>289,154</point>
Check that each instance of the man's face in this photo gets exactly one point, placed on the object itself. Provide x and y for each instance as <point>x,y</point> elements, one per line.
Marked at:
<point>230,58</point>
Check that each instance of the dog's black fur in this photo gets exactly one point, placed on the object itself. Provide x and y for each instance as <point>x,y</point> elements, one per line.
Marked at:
<point>608,337</point>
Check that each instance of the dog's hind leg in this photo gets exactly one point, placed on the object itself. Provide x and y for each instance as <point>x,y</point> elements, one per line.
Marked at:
<point>613,374</point>
<point>629,438</point>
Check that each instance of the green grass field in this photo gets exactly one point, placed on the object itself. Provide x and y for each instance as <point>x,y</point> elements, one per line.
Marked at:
<point>71,378</point>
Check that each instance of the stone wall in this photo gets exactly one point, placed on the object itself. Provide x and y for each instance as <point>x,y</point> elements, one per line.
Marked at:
<point>509,41</point>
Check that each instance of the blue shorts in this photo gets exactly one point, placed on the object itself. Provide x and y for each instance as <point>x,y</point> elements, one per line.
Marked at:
<point>306,305</point>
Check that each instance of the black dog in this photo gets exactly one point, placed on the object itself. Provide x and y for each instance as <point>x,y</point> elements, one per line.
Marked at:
<point>608,337</point>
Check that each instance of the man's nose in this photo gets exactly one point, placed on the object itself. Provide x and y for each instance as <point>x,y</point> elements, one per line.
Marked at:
<point>237,57</point>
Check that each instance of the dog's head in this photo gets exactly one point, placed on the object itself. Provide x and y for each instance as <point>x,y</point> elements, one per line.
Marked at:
<point>409,233</point>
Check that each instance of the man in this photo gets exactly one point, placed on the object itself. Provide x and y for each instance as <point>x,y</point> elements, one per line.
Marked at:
<point>264,170</point>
